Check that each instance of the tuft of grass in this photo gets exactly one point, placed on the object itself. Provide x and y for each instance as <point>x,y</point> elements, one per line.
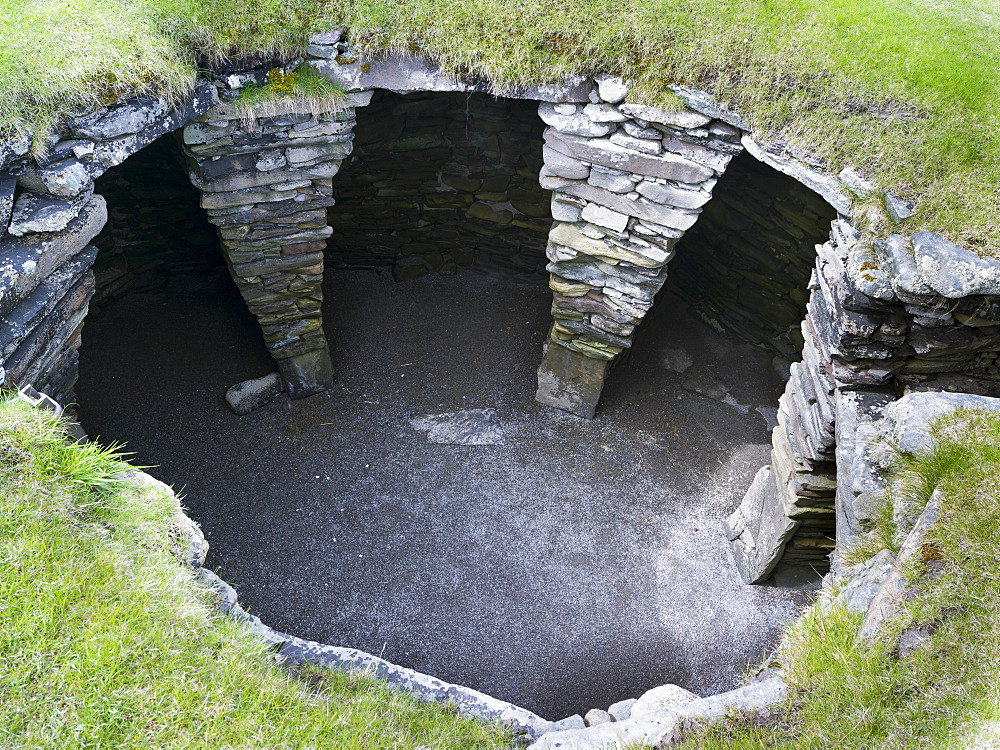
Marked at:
<point>851,694</point>
<point>284,92</point>
<point>106,641</point>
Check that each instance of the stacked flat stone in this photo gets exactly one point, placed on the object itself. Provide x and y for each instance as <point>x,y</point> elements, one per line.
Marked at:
<point>441,182</point>
<point>907,314</point>
<point>46,281</point>
<point>744,266</point>
<point>627,182</point>
<point>266,184</point>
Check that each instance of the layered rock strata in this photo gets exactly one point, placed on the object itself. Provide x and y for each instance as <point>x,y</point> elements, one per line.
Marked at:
<point>266,183</point>
<point>904,314</point>
<point>49,215</point>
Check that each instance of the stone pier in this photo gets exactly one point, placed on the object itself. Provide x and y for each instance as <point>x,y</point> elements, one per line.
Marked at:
<point>266,183</point>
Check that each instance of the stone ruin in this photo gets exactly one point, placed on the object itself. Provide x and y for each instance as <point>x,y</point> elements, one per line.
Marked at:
<point>617,189</point>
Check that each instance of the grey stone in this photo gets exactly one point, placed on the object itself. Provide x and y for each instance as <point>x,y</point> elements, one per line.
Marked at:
<point>612,88</point>
<point>570,722</point>
<point>712,158</point>
<point>604,217</point>
<point>622,710</point>
<point>124,119</point>
<point>685,118</point>
<point>638,131</point>
<point>670,195</point>
<point>18,324</point>
<point>559,164</point>
<point>824,185</point>
<point>856,183</point>
<point>467,427</point>
<point>249,395</point>
<point>759,528</point>
<point>8,183</point>
<point>573,124</point>
<point>596,716</point>
<point>907,419</point>
<point>660,699</point>
<point>679,219</point>
<point>604,113</point>
<point>898,209</point>
<point>862,582</point>
<point>40,212</point>
<point>886,601</point>
<point>953,271</point>
<point>563,211</point>
<point>67,179</point>
<point>327,38</point>
<point>406,74</point>
<point>307,373</point>
<point>664,729</point>
<point>605,153</point>
<point>13,147</point>
<point>570,381</point>
<point>702,102</point>
<point>611,179</point>
<point>636,144</point>
<point>900,265</point>
<point>25,262</point>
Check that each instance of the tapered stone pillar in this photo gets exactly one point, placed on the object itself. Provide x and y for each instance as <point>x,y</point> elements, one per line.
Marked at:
<point>627,181</point>
<point>266,185</point>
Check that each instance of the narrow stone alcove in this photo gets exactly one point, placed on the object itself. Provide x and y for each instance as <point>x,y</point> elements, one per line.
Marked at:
<point>439,182</point>
<point>155,231</point>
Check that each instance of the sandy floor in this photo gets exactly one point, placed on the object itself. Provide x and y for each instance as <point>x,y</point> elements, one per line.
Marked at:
<point>570,565</point>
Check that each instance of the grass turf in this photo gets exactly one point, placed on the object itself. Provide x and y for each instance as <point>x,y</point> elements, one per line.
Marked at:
<point>909,93</point>
<point>106,641</point>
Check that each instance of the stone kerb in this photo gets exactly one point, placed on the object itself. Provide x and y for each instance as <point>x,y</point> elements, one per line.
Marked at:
<point>46,280</point>
<point>266,182</point>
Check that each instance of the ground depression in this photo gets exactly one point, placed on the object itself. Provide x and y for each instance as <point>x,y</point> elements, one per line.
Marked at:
<point>562,565</point>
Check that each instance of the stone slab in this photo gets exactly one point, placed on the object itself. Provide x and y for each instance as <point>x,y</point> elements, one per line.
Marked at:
<point>570,381</point>
<point>759,529</point>
<point>466,427</point>
<point>598,151</point>
<point>26,261</point>
<point>826,186</point>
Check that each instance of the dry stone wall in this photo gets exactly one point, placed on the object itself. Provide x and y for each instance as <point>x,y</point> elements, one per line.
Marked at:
<point>266,182</point>
<point>439,182</point>
<point>155,227</point>
<point>902,315</point>
<point>745,264</point>
<point>625,183</point>
<point>49,215</point>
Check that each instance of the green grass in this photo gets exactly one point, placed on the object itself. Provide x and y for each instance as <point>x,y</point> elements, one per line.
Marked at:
<point>946,694</point>
<point>106,641</point>
<point>907,92</point>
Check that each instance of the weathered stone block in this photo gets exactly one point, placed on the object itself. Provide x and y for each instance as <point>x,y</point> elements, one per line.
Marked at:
<point>570,381</point>
<point>307,373</point>
<point>759,529</point>
<point>249,395</point>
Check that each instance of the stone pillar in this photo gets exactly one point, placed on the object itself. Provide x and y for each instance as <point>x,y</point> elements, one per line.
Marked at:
<point>266,185</point>
<point>627,180</point>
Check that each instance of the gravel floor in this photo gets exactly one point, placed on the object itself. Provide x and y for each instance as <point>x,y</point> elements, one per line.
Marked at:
<point>566,566</point>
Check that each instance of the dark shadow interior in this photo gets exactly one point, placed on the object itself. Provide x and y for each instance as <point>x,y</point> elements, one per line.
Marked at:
<point>441,182</point>
<point>156,229</point>
<point>745,264</point>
